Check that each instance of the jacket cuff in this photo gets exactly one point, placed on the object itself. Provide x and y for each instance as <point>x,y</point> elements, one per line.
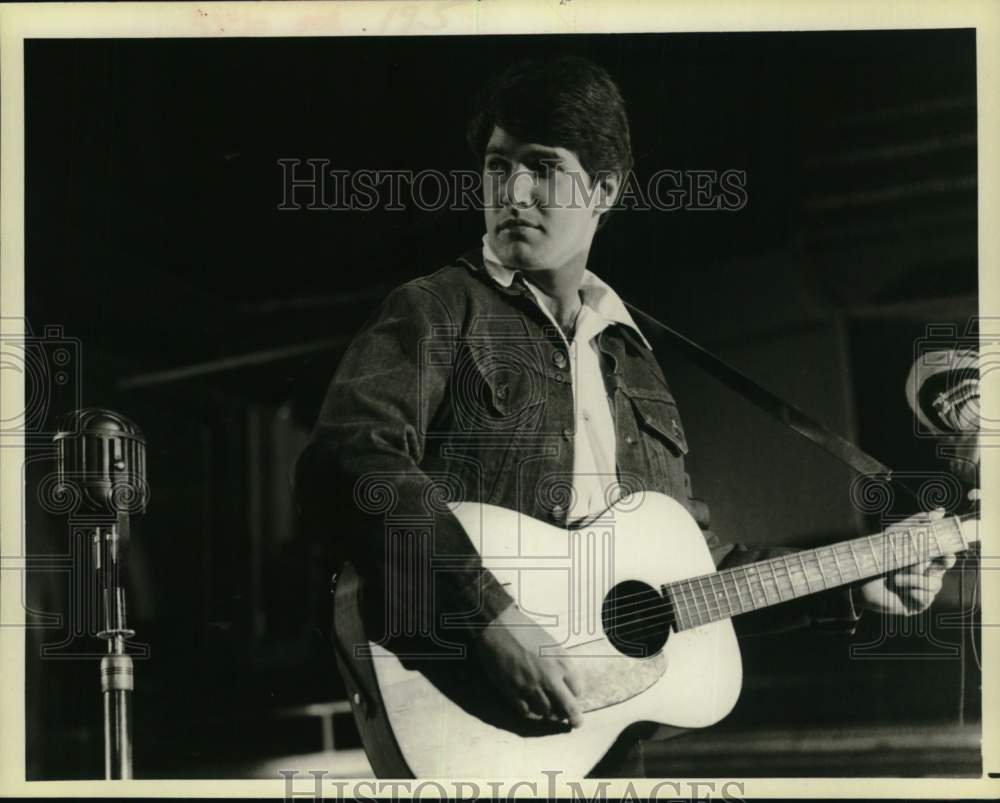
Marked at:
<point>479,601</point>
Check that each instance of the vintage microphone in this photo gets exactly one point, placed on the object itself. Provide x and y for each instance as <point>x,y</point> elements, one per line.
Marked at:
<point>942,390</point>
<point>102,460</point>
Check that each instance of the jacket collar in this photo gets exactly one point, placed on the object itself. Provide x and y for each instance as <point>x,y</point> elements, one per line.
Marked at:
<point>594,291</point>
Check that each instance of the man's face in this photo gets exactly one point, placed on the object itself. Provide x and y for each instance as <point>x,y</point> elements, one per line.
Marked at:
<point>541,210</point>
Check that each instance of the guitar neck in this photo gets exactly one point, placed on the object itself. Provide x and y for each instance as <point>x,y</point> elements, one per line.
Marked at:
<point>721,595</point>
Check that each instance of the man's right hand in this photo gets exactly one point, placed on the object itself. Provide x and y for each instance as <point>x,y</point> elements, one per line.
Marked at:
<point>540,685</point>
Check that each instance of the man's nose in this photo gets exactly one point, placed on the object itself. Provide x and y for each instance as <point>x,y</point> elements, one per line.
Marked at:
<point>520,188</point>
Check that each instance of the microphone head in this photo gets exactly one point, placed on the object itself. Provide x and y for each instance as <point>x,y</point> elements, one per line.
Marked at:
<point>102,459</point>
<point>943,392</point>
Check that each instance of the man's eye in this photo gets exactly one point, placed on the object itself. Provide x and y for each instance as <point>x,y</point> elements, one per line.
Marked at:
<point>496,166</point>
<point>548,167</point>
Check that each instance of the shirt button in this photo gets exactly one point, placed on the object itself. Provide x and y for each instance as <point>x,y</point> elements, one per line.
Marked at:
<point>559,359</point>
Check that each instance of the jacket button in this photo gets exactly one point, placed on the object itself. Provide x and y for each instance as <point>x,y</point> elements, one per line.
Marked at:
<point>568,433</point>
<point>560,377</point>
<point>630,440</point>
<point>559,359</point>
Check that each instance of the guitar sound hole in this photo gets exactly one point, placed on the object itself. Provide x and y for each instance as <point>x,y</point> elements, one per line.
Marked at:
<point>637,619</point>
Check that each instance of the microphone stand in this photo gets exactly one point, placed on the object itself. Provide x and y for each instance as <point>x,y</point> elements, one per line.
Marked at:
<point>102,462</point>
<point>117,679</point>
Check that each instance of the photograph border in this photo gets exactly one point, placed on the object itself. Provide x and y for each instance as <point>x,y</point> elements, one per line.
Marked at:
<point>19,22</point>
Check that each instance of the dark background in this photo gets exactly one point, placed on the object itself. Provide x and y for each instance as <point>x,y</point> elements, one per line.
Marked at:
<point>214,321</point>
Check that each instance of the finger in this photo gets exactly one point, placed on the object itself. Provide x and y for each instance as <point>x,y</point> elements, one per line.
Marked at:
<point>917,582</point>
<point>572,679</point>
<point>525,710</point>
<point>935,515</point>
<point>565,702</point>
<point>538,702</point>
<point>916,593</point>
<point>917,600</point>
<point>944,562</point>
<point>930,568</point>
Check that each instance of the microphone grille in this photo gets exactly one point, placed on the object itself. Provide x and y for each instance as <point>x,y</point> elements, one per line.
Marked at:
<point>103,454</point>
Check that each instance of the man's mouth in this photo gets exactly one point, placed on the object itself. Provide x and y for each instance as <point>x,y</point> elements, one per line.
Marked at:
<point>517,225</point>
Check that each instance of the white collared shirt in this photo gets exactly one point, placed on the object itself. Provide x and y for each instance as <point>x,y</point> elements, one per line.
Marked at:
<point>595,466</point>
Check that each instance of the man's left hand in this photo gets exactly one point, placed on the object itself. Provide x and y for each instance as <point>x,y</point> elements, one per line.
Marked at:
<point>909,590</point>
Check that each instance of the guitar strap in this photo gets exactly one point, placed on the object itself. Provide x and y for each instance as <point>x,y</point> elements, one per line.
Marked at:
<point>789,415</point>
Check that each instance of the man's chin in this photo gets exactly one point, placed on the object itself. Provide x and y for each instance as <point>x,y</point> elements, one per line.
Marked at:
<point>518,254</point>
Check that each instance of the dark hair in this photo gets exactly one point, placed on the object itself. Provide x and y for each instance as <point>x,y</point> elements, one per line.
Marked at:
<point>564,101</point>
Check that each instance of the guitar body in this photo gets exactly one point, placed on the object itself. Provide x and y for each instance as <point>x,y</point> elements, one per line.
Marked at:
<point>437,715</point>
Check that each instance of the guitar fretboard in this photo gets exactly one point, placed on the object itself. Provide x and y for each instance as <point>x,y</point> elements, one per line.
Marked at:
<point>721,595</point>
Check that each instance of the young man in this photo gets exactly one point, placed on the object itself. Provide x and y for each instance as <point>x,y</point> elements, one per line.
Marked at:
<point>516,377</point>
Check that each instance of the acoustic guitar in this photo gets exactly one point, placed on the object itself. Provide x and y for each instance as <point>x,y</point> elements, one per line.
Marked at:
<point>634,600</point>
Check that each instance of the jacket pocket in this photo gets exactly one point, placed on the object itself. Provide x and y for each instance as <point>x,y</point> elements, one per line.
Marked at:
<point>658,416</point>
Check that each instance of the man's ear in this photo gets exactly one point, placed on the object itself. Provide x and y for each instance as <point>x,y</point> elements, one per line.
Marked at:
<point>609,185</point>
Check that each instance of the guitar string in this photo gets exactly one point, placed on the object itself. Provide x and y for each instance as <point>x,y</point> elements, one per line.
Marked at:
<point>795,584</point>
<point>829,552</point>
<point>654,623</point>
<point>665,614</point>
<point>716,602</point>
<point>795,577</point>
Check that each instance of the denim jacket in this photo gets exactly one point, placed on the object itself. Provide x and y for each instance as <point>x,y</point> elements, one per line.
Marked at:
<point>460,388</point>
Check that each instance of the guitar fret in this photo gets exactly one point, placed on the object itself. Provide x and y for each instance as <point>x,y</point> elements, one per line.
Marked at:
<point>739,596</point>
<point>892,548</point>
<point>721,595</point>
<point>697,607</point>
<point>916,546</point>
<point>840,571</point>
<point>690,611</point>
<point>937,544</point>
<point>682,606</point>
<point>854,557</point>
<point>805,572</point>
<point>729,600</point>
<point>791,577</point>
<point>709,598</point>
<point>819,567</point>
<point>755,571</point>
<point>774,578</point>
<point>750,572</point>
<point>878,566</point>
